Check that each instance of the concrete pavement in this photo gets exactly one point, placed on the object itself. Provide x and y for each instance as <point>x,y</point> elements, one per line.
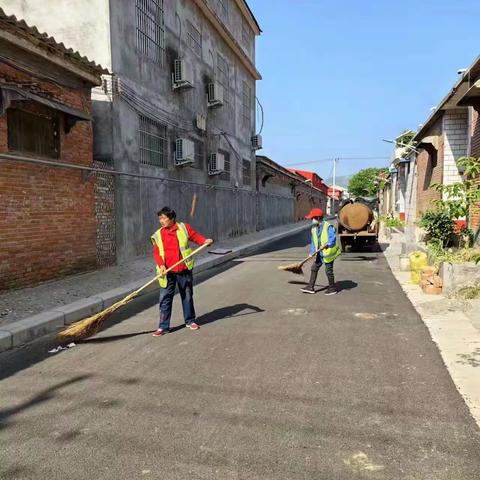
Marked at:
<point>276,385</point>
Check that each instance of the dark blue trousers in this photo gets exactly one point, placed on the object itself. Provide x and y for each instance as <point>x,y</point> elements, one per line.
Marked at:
<point>184,280</point>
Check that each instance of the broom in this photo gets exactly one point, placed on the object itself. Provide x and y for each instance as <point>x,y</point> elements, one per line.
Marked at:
<point>89,326</point>
<point>297,267</point>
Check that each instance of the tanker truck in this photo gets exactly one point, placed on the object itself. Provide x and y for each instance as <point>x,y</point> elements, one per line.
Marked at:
<point>357,226</point>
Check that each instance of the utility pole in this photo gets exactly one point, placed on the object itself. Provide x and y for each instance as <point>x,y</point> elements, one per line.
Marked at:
<point>333,186</point>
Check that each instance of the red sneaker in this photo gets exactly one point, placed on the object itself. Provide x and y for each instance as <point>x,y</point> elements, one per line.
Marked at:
<point>159,333</point>
<point>192,326</point>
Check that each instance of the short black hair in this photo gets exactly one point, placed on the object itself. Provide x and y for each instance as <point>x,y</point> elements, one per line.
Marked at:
<point>168,212</point>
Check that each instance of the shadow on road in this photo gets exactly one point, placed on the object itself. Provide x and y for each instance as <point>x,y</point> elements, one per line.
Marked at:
<point>16,360</point>
<point>231,311</point>
<point>346,285</point>
<point>341,284</point>
<point>358,258</point>
<point>41,397</point>
<point>113,338</point>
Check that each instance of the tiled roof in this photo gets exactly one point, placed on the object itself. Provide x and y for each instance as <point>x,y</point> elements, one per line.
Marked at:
<point>18,27</point>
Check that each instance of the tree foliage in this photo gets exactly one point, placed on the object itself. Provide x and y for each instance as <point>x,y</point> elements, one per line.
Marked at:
<point>366,182</point>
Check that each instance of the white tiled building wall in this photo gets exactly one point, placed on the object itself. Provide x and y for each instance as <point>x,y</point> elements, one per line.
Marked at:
<point>455,131</point>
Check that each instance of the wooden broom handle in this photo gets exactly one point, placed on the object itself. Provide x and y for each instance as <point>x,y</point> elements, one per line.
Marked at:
<point>197,250</point>
<point>312,255</point>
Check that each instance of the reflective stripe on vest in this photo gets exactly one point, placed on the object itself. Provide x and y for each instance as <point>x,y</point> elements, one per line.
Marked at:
<point>185,250</point>
<point>329,254</point>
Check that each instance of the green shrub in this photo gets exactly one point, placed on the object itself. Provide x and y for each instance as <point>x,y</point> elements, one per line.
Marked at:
<point>392,222</point>
<point>439,226</point>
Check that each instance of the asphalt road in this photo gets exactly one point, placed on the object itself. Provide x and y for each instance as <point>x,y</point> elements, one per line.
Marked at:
<point>275,385</point>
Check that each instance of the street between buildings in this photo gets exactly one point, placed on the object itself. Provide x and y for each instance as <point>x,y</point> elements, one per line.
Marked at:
<point>275,385</point>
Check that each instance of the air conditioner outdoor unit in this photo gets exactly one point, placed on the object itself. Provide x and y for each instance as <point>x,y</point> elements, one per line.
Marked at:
<point>184,152</point>
<point>216,164</point>
<point>257,142</point>
<point>215,94</point>
<point>201,122</point>
<point>182,76</point>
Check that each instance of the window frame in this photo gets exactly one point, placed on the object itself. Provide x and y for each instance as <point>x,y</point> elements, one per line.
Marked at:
<point>52,117</point>
<point>150,30</point>
<point>249,170</point>
<point>226,174</point>
<point>224,10</point>
<point>246,105</point>
<point>199,154</point>
<point>145,136</point>
<point>246,35</point>
<point>194,44</point>
<point>223,78</point>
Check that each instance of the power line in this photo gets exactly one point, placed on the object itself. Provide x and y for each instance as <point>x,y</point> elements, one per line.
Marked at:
<point>325,160</point>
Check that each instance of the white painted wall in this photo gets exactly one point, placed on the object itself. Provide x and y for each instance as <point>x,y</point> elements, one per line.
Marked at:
<point>83,25</point>
<point>455,134</point>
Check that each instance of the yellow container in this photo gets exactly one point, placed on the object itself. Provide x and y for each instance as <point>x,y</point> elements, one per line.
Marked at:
<point>418,260</point>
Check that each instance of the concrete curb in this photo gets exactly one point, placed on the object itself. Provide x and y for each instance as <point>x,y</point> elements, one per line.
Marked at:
<point>18,333</point>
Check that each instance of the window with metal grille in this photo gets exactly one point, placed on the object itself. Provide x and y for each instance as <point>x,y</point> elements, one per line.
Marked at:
<point>246,104</point>
<point>247,172</point>
<point>33,133</point>
<point>223,78</point>
<point>150,29</point>
<point>226,172</point>
<point>246,34</point>
<point>224,8</point>
<point>153,142</point>
<point>199,154</point>
<point>194,38</point>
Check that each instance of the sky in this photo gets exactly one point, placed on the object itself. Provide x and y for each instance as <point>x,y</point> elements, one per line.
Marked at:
<point>338,76</point>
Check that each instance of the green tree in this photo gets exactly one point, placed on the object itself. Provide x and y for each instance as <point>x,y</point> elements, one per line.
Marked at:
<point>366,182</point>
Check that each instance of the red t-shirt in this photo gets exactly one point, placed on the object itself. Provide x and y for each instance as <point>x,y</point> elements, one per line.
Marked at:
<point>172,248</point>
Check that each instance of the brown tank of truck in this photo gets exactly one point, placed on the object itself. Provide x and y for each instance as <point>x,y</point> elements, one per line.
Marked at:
<point>357,226</point>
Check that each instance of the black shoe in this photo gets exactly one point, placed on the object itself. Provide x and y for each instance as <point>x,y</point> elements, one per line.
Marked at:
<point>331,291</point>
<point>308,289</point>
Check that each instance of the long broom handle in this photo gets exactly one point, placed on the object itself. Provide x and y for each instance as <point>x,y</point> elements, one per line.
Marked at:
<point>136,292</point>
<point>311,255</point>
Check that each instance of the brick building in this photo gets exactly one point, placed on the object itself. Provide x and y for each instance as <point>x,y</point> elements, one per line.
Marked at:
<point>177,112</point>
<point>475,152</point>
<point>451,132</point>
<point>48,222</point>
<point>313,178</point>
<point>302,195</point>
<point>429,166</point>
<point>471,99</point>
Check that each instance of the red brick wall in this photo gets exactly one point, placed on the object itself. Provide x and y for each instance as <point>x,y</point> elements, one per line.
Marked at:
<point>427,174</point>
<point>475,152</point>
<point>47,214</point>
<point>306,199</point>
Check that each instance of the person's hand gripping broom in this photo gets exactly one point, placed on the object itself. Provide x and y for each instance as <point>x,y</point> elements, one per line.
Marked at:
<point>297,267</point>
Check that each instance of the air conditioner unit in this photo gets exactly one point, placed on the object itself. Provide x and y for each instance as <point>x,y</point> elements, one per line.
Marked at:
<point>216,164</point>
<point>184,152</point>
<point>214,94</point>
<point>257,142</point>
<point>201,122</point>
<point>182,76</point>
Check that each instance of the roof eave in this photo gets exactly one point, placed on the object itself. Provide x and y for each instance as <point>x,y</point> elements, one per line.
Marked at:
<point>83,73</point>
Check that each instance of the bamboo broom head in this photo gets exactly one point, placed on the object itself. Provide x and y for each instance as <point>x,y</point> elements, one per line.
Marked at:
<point>295,268</point>
<point>90,325</point>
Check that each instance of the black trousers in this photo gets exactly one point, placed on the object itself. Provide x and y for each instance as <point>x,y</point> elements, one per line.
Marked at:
<point>328,271</point>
